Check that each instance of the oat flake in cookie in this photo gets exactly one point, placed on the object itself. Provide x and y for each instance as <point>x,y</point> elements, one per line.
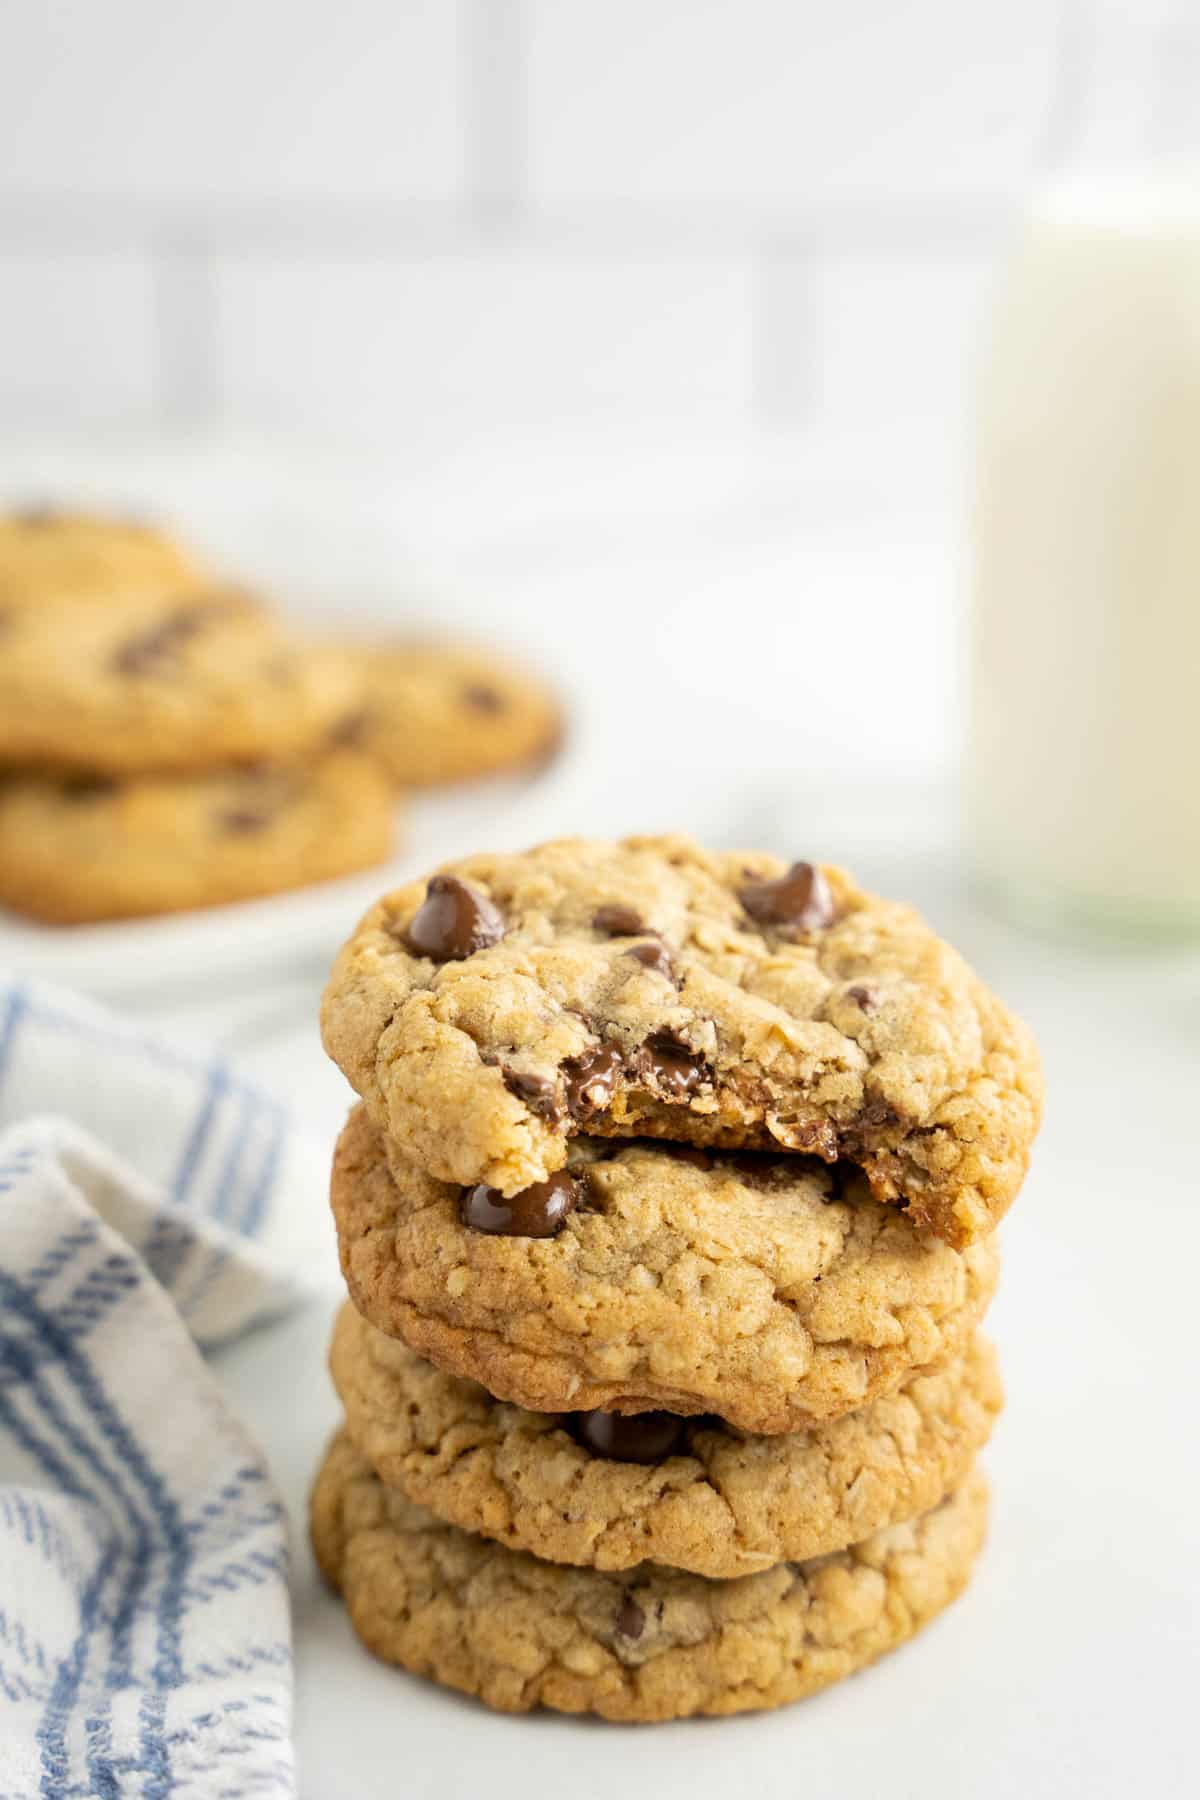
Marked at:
<point>651,988</point>
<point>660,1280</point>
<point>645,1645</point>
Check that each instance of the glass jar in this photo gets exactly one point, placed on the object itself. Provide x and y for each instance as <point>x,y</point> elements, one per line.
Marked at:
<point>1084,753</point>
<point>1084,734</point>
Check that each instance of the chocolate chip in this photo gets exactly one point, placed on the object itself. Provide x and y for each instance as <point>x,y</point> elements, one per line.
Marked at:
<point>483,699</point>
<point>875,1118</point>
<point>453,921</point>
<point>864,998</point>
<point>654,956</point>
<point>538,1092</point>
<point>540,1211</point>
<point>631,1620</point>
<point>618,921</point>
<point>812,1137</point>
<point>647,1437</point>
<point>244,821</point>
<point>88,787</point>
<point>591,1080</point>
<point>146,653</point>
<point>755,1167</point>
<point>666,1063</point>
<point>349,733</point>
<point>798,901</point>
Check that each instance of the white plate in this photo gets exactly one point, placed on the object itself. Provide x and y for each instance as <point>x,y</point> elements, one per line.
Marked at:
<point>253,937</point>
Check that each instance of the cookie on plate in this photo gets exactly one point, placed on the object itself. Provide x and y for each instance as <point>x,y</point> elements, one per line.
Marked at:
<point>608,1491</point>
<point>46,553</point>
<point>170,681</point>
<point>652,988</point>
<point>646,1277</point>
<point>649,1644</point>
<point>81,849</point>
<point>443,712</point>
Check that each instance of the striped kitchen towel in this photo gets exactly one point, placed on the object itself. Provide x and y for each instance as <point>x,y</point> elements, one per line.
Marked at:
<point>144,1627</point>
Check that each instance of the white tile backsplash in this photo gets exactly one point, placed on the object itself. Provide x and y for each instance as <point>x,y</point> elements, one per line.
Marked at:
<point>184,103</point>
<point>394,343</point>
<point>773,107</point>
<point>375,215</point>
<point>78,339</point>
<point>894,335</point>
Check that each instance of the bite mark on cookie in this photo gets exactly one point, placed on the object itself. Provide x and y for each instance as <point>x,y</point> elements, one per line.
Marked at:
<point>591,1080</point>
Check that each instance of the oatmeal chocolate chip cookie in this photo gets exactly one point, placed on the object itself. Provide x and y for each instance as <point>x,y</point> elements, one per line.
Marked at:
<point>173,681</point>
<point>45,553</point>
<point>610,1491</point>
<point>651,988</point>
<point>649,1644</point>
<point>75,850</point>
<point>439,712</point>
<point>637,1279</point>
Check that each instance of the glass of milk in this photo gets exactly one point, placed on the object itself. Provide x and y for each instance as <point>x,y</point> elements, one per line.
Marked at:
<point>1084,753</point>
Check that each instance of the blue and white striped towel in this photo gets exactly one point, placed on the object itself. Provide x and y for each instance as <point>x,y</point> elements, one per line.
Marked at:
<point>144,1627</point>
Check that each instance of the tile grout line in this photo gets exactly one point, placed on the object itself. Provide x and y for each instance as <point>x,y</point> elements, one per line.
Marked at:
<point>188,381</point>
<point>783,376</point>
<point>1066,110</point>
<point>918,225</point>
<point>493,75</point>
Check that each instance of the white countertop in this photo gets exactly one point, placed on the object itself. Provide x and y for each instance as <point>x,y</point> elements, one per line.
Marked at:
<point>770,652</point>
<point>1069,1667</point>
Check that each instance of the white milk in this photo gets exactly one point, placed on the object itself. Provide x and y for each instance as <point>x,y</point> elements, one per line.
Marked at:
<point>1083,802</point>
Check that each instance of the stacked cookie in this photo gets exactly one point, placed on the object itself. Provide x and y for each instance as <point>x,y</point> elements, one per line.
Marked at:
<point>165,742</point>
<point>667,1221</point>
